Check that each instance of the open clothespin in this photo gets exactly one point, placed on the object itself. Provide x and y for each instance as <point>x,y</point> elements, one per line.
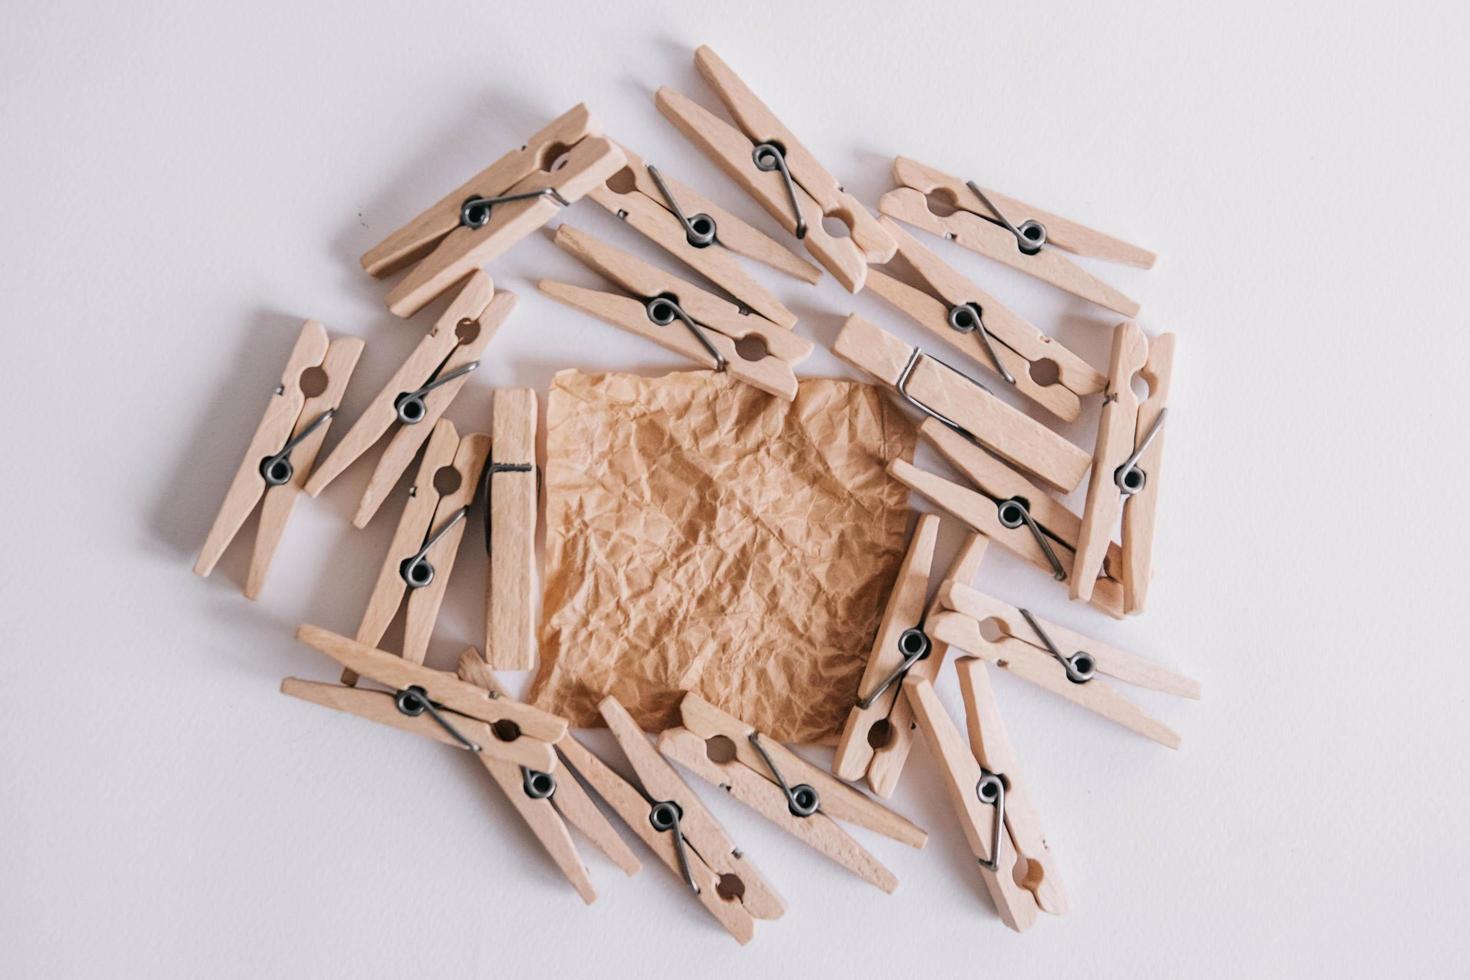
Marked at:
<point>667,815</point>
<point>1127,465</point>
<point>431,703</point>
<point>988,793</point>
<point>784,788</point>
<point>1010,509</point>
<point>681,317</point>
<point>496,208</point>
<point>1056,659</point>
<point>878,733</point>
<point>510,493</point>
<point>968,318</point>
<point>770,163</point>
<point>422,552</point>
<point>701,234</point>
<point>1009,231</point>
<point>548,802</point>
<point>281,452</point>
<point>942,392</point>
<point>418,393</point>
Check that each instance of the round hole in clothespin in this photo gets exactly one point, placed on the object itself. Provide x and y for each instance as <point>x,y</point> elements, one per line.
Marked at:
<point>719,749</point>
<point>505,730</point>
<point>623,182</point>
<point>837,224</point>
<point>752,348</point>
<point>554,157</point>
<point>467,331</point>
<point>730,887</point>
<point>942,202</point>
<point>1045,372</point>
<point>880,734</point>
<point>447,480</point>
<point>313,381</point>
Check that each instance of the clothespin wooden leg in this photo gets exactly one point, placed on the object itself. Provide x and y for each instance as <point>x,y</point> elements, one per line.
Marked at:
<point>510,495</point>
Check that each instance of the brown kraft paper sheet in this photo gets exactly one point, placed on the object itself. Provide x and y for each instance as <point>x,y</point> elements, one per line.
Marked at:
<point>704,536</point>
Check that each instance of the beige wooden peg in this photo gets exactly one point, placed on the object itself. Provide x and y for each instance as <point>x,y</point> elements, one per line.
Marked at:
<point>1057,659</point>
<point>780,786</point>
<point>992,749</point>
<point>955,310</point>
<point>422,552</point>
<point>418,394</point>
<point>1126,466</point>
<point>280,455</point>
<point>1009,231</point>
<point>549,803</point>
<point>770,163</point>
<point>701,234</point>
<point>1010,509</point>
<point>681,317</point>
<point>510,483</point>
<point>970,787</point>
<point>939,391</point>
<point>496,208</point>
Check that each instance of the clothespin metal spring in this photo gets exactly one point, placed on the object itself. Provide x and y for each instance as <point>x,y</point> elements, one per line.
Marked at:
<point>970,318</point>
<point>1031,234</point>
<point>475,211</point>
<point>410,405</point>
<point>1080,666</point>
<point>771,156</point>
<point>1129,478</point>
<point>664,310</point>
<point>277,470</point>
<point>416,570</point>
<point>991,790</point>
<point>915,645</point>
<point>1013,513</point>
<point>414,701</point>
<point>699,229</point>
<point>665,815</point>
<point>802,799</point>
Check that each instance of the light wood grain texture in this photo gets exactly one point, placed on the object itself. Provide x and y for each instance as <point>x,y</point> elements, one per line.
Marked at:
<point>510,595</point>
<point>1019,650</point>
<point>975,230</point>
<point>282,414</point>
<point>422,608</point>
<point>379,706</point>
<point>1140,512</point>
<point>630,805</point>
<point>569,799</point>
<point>1062,233</point>
<point>817,830</point>
<point>275,510</point>
<point>839,800</point>
<point>407,439</point>
<point>1016,905</point>
<point>1115,440</point>
<point>1016,438</point>
<point>700,828</point>
<point>392,671</point>
<point>888,760</point>
<point>412,530</point>
<point>568,156</point>
<point>437,348</point>
<point>638,202</point>
<point>1018,345</point>
<point>904,610</point>
<point>770,369</point>
<point>992,748</point>
<point>1000,483</point>
<point>417,238</point>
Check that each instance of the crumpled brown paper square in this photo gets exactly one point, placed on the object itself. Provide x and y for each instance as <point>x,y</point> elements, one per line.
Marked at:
<point>702,535</point>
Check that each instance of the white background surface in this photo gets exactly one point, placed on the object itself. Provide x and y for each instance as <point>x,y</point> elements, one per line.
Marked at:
<point>182,186</point>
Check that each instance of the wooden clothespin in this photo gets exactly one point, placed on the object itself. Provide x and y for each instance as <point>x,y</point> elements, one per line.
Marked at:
<point>1009,231</point>
<point>784,788</point>
<point>1010,509</point>
<point>968,318</point>
<point>496,208</point>
<point>701,234</point>
<point>431,703</point>
<point>1056,659</point>
<point>681,317</point>
<point>418,393</point>
<point>667,815</point>
<point>879,731</point>
<point>548,803</point>
<point>987,791</point>
<point>942,392</point>
<point>1127,465</point>
<point>421,554</point>
<point>281,452</point>
<point>771,164</point>
<point>510,491</point>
